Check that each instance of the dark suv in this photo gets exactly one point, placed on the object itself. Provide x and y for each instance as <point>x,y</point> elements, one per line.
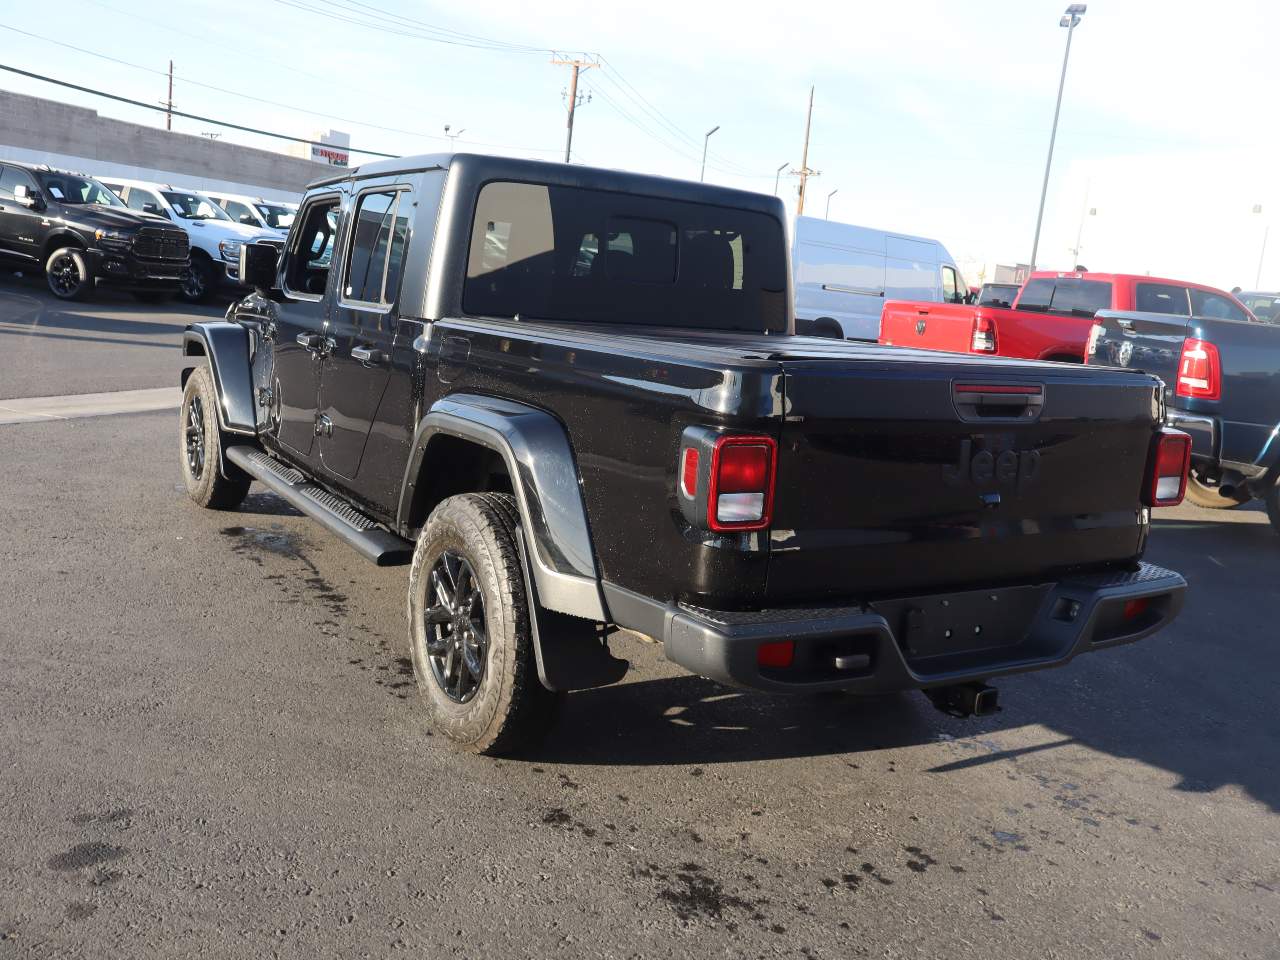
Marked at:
<point>80,233</point>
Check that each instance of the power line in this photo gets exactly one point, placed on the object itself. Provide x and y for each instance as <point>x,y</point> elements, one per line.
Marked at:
<point>398,29</point>
<point>188,116</point>
<point>262,100</point>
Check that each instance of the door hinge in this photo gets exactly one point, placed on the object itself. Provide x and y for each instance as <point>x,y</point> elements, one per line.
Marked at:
<point>265,396</point>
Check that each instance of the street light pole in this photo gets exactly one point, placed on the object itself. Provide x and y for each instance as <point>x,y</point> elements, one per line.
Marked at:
<point>827,214</point>
<point>1070,20</point>
<point>778,176</point>
<point>1266,228</point>
<point>705,141</point>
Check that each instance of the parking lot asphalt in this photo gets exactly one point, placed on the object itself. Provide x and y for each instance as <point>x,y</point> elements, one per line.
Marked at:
<point>211,745</point>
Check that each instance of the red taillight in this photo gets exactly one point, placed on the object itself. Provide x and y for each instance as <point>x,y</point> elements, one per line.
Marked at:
<point>689,472</point>
<point>1168,480</point>
<point>1199,371</point>
<point>777,654</point>
<point>984,335</point>
<point>742,473</point>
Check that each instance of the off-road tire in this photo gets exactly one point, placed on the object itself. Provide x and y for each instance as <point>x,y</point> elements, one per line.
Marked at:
<point>510,707</point>
<point>1207,495</point>
<point>60,272</point>
<point>204,481</point>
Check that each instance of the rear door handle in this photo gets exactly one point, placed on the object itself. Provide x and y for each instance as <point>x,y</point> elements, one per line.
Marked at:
<point>366,355</point>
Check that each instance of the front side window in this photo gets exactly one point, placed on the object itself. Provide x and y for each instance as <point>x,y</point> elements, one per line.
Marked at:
<point>1161,298</point>
<point>574,254</point>
<point>192,206</point>
<point>276,216</point>
<point>240,213</point>
<point>11,177</point>
<point>381,228</point>
<point>144,200</point>
<point>311,253</point>
<point>1215,306</point>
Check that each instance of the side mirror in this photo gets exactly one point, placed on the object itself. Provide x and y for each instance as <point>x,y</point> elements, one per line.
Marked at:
<point>248,219</point>
<point>28,198</point>
<point>258,263</point>
<point>152,208</point>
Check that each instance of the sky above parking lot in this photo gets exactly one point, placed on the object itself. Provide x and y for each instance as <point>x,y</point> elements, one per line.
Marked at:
<point>931,117</point>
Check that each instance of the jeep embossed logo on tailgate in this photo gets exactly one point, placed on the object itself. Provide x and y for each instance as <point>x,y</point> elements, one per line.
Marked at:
<point>1008,468</point>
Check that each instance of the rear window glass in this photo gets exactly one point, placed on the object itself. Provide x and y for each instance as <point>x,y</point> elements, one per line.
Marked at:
<point>567,253</point>
<point>1066,295</point>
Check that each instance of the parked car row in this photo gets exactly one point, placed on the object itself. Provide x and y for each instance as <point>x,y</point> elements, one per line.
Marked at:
<point>155,239</point>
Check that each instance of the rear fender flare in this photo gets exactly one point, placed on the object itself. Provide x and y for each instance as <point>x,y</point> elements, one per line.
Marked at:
<point>226,347</point>
<point>544,478</point>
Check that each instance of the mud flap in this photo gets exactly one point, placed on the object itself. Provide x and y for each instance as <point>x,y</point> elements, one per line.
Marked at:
<point>570,652</point>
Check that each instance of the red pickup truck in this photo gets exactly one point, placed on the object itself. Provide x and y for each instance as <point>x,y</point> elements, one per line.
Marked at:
<point>1052,317</point>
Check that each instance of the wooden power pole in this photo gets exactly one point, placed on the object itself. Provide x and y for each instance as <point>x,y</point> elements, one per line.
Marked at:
<point>804,173</point>
<point>168,106</point>
<point>578,65</point>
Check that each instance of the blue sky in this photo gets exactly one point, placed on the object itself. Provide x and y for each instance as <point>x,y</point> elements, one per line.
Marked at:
<point>930,117</point>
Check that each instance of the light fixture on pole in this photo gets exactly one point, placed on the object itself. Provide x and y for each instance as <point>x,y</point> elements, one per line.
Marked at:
<point>1070,20</point>
<point>705,141</point>
<point>827,214</point>
<point>453,137</point>
<point>777,176</point>
<point>1266,228</point>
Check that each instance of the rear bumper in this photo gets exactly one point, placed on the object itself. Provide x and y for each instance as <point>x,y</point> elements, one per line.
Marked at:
<point>1203,431</point>
<point>865,649</point>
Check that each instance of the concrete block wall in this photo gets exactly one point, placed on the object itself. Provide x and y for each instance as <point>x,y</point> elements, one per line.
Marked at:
<point>36,130</point>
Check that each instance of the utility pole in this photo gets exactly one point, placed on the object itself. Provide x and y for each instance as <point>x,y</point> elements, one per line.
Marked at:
<point>168,111</point>
<point>804,173</point>
<point>578,65</point>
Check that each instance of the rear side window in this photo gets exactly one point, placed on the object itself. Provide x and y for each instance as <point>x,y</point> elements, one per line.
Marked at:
<point>1216,306</point>
<point>381,228</point>
<point>1066,295</point>
<point>567,253</point>
<point>1161,298</point>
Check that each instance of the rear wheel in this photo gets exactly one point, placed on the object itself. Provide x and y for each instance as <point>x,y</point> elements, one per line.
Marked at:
<point>68,274</point>
<point>1203,491</point>
<point>201,440</point>
<point>469,630</point>
<point>1273,507</point>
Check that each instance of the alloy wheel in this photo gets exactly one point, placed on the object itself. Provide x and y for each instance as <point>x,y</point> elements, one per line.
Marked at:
<point>456,639</point>
<point>195,438</point>
<point>64,274</point>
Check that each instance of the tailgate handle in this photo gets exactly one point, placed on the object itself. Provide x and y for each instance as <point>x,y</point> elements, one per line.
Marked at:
<point>998,401</point>
<point>1124,322</point>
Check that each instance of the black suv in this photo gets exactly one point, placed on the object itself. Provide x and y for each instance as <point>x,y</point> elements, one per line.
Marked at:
<point>80,232</point>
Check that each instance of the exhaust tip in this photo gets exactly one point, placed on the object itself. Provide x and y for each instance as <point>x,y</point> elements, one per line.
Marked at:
<point>966,699</point>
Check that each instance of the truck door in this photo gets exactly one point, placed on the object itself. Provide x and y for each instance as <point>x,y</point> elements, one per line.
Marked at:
<point>20,225</point>
<point>301,340</point>
<point>363,322</point>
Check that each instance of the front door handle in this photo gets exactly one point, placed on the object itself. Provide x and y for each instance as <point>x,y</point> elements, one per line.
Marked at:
<point>308,341</point>
<point>366,355</point>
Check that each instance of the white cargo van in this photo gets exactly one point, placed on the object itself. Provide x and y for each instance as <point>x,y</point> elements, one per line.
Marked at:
<point>844,273</point>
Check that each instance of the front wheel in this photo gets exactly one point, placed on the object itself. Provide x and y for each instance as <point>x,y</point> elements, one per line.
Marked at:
<point>1204,491</point>
<point>201,440</point>
<point>469,630</point>
<point>68,274</point>
<point>199,280</point>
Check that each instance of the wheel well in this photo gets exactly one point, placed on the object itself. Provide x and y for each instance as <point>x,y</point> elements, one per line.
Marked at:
<point>57,242</point>
<point>197,253</point>
<point>450,466</point>
<point>1063,358</point>
<point>820,327</point>
<point>191,348</point>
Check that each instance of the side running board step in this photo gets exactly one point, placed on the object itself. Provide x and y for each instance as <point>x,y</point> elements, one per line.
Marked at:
<point>334,513</point>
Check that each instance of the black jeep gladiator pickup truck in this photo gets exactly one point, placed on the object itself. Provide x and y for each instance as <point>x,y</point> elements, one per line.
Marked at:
<point>80,234</point>
<point>571,399</point>
<point>1222,387</point>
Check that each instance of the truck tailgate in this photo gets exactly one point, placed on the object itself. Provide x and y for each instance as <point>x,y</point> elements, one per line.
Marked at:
<point>1151,342</point>
<point>931,326</point>
<point>912,472</point>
